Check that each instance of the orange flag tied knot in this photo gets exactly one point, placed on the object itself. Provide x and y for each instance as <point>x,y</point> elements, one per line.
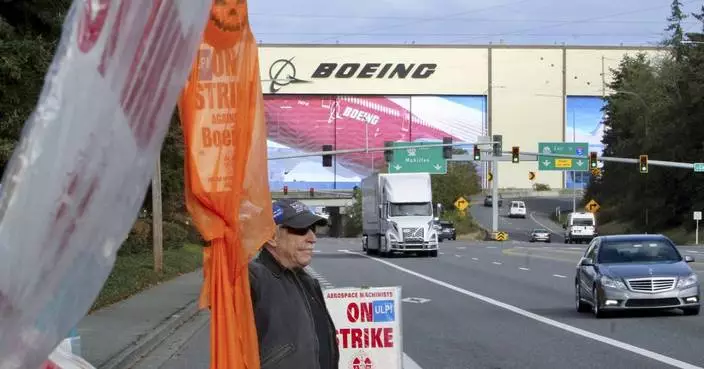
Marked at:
<point>227,191</point>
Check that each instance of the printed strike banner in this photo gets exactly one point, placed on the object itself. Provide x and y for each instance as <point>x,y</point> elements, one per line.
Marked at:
<point>227,190</point>
<point>368,323</point>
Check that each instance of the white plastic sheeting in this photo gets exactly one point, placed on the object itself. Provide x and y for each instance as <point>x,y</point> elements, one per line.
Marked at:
<point>79,175</point>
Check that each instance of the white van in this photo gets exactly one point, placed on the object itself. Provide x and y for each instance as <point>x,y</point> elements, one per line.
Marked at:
<point>580,227</point>
<point>517,209</point>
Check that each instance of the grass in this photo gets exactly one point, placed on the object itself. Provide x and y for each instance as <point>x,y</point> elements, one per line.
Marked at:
<point>135,272</point>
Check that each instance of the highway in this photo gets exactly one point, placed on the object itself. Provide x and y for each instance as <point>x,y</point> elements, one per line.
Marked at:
<point>519,229</point>
<point>489,305</point>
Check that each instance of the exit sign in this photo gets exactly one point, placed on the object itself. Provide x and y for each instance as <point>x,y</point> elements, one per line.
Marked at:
<point>699,167</point>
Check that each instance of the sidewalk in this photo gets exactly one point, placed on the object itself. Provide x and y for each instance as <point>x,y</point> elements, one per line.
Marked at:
<point>115,336</point>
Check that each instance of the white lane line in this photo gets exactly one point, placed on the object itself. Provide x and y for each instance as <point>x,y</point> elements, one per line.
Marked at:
<point>475,259</point>
<point>522,268</point>
<point>316,251</point>
<point>496,263</point>
<point>539,318</point>
<point>491,247</point>
<point>459,256</point>
<point>559,276</point>
<point>441,253</point>
<point>461,248</point>
<point>343,250</point>
<point>574,248</point>
<point>541,224</point>
<point>408,363</point>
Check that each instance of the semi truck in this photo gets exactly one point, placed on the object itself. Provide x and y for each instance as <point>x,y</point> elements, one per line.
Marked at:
<point>397,214</point>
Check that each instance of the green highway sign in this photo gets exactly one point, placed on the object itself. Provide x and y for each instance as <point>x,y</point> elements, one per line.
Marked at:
<point>418,159</point>
<point>563,164</point>
<point>699,167</point>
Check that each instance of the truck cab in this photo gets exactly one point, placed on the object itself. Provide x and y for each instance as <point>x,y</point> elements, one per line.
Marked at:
<point>397,212</point>
<point>580,227</point>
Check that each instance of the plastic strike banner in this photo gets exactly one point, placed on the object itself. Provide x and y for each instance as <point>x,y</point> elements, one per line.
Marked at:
<point>368,323</point>
<point>78,177</point>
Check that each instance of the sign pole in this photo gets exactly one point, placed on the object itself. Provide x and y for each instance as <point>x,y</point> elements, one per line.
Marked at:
<point>495,196</point>
<point>696,234</point>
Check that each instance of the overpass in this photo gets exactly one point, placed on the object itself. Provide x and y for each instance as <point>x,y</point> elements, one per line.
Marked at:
<point>328,198</point>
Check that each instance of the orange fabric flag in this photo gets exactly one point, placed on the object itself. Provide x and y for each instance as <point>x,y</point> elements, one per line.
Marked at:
<point>227,191</point>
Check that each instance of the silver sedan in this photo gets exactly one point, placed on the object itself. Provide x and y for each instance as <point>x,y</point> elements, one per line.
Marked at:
<point>626,272</point>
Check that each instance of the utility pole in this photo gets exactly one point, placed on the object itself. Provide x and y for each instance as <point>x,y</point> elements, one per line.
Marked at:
<point>157,219</point>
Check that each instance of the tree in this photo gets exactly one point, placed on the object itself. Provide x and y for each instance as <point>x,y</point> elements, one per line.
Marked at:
<point>461,180</point>
<point>29,33</point>
<point>675,28</point>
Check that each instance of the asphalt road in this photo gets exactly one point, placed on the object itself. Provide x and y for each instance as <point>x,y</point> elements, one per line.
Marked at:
<point>490,306</point>
<point>519,229</point>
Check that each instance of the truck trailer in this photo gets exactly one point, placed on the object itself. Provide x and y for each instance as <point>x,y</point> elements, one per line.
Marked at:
<point>397,214</point>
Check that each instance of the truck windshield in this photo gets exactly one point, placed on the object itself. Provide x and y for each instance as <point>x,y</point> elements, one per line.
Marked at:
<point>410,209</point>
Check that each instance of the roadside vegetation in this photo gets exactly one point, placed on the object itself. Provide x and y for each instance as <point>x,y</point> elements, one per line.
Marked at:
<point>657,109</point>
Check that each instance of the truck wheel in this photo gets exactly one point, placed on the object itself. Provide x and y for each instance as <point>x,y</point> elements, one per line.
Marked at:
<point>434,253</point>
<point>382,247</point>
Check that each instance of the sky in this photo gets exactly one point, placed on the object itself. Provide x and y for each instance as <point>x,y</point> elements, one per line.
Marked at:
<point>513,22</point>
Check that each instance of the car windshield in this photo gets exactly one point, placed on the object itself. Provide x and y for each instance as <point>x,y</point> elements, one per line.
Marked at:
<point>446,225</point>
<point>647,251</point>
<point>540,231</point>
<point>410,209</point>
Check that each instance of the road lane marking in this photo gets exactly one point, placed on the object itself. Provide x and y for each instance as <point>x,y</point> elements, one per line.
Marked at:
<point>496,263</point>
<point>559,276</point>
<point>542,225</point>
<point>475,259</point>
<point>461,247</point>
<point>408,363</point>
<point>539,318</point>
<point>521,268</point>
<point>491,247</point>
<point>441,253</point>
<point>343,250</point>
<point>459,256</point>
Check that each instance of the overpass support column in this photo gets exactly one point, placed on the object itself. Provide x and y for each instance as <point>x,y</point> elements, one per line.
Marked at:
<point>335,221</point>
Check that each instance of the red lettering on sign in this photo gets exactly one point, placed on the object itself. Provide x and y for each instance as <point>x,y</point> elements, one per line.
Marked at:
<point>216,95</point>
<point>111,45</point>
<point>217,138</point>
<point>366,337</point>
<point>361,311</point>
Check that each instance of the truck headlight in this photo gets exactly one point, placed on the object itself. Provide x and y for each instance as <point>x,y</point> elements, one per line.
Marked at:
<point>688,281</point>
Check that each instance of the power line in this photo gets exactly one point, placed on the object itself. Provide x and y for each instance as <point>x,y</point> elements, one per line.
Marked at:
<point>444,17</point>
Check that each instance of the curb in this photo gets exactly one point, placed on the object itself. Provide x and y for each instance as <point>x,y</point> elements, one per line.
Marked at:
<point>130,355</point>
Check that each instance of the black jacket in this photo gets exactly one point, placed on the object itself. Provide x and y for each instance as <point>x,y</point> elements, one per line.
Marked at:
<point>284,319</point>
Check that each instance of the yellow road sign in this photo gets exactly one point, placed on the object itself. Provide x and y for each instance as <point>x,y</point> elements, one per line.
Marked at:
<point>563,163</point>
<point>592,206</point>
<point>461,203</point>
<point>490,177</point>
<point>531,176</point>
<point>596,172</point>
<point>501,236</point>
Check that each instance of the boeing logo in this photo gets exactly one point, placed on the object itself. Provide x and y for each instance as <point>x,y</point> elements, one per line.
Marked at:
<point>282,73</point>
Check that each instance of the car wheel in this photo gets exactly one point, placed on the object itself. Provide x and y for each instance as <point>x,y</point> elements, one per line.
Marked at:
<point>691,310</point>
<point>582,307</point>
<point>596,304</point>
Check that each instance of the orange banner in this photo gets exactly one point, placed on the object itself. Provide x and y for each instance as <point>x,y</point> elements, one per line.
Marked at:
<point>227,191</point>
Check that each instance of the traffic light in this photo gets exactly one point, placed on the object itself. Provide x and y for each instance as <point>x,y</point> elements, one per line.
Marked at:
<point>327,158</point>
<point>447,150</point>
<point>312,192</point>
<point>498,146</point>
<point>592,160</point>
<point>515,154</point>
<point>388,153</point>
<point>285,190</point>
<point>477,153</point>
<point>643,164</point>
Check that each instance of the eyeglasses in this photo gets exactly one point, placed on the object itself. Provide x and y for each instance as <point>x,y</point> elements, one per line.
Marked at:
<point>300,231</point>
